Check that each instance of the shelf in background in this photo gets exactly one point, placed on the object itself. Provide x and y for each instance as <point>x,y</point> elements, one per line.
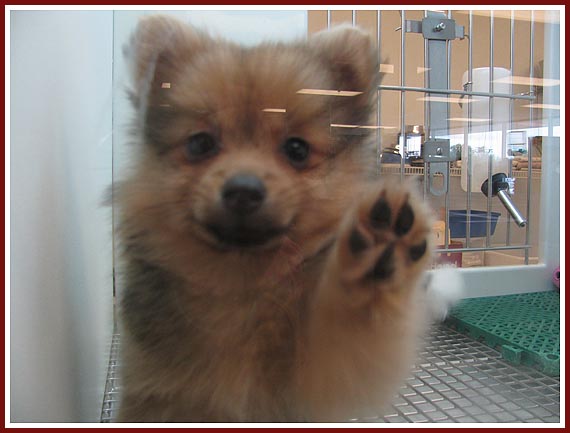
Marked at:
<point>389,168</point>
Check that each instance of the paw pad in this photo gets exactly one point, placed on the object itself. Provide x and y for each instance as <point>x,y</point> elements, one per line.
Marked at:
<point>389,236</point>
<point>416,252</point>
<point>405,220</point>
<point>381,214</point>
<point>356,242</point>
<point>384,266</point>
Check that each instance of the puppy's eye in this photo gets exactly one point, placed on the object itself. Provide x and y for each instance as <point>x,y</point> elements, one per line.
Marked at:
<point>200,146</point>
<point>296,150</point>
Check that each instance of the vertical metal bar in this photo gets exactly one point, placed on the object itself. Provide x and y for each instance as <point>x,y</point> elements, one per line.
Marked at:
<point>328,19</point>
<point>353,18</point>
<point>511,108</point>
<point>403,94</point>
<point>529,152</point>
<point>491,100</point>
<point>447,193</point>
<point>489,197</point>
<point>469,127</point>
<point>438,111</point>
<point>379,100</point>
<point>427,128</point>
<point>448,48</point>
<point>427,132</point>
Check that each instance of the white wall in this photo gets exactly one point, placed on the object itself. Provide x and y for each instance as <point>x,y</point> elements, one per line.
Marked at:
<point>61,249</point>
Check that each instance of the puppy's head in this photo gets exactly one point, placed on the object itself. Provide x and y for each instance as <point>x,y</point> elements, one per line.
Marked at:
<point>240,148</point>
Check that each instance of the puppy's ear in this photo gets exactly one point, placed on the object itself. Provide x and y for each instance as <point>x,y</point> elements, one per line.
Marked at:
<point>159,47</point>
<point>350,55</point>
<point>351,59</point>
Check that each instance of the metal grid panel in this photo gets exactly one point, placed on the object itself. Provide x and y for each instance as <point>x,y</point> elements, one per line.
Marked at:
<point>461,380</point>
<point>457,380</point>
<point>110,398</point>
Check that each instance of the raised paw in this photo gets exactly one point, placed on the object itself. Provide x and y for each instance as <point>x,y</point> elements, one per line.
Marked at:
<point>385,243</point>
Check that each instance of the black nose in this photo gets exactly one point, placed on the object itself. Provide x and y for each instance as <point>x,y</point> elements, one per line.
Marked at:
<point>243,193</point>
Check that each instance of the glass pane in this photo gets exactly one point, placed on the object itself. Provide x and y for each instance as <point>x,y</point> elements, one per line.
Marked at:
<point>498,105</point>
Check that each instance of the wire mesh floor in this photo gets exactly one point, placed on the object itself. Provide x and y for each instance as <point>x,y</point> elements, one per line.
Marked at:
<point>456,380</point>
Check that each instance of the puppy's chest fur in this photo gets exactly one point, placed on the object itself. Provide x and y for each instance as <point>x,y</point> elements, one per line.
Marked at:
<point>229,351</point>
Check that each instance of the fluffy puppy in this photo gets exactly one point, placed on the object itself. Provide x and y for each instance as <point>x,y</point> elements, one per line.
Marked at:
<point>269,275</point>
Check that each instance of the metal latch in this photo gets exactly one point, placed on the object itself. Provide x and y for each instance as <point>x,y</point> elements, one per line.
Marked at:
<point>443,29</point>
<point>437,153</point>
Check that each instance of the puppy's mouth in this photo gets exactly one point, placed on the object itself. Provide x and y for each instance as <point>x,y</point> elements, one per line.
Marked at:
<point>244,235</point>
<point>243,216</point>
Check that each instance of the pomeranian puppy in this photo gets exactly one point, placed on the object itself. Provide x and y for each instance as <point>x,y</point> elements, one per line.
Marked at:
<point>270,275</point>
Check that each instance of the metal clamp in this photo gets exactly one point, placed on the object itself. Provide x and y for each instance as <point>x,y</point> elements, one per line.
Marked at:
<point>443,29</point>
<point>437,153</point>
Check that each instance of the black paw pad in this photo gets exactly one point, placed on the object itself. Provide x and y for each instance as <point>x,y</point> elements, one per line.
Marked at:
<point>417,251</point>
<point>381,215</point>
<point>384,267</point>
<point>356,242</point>
<point>405,220</point>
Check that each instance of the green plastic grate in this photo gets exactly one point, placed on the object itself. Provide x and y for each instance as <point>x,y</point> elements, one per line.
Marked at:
<point>525,327</point>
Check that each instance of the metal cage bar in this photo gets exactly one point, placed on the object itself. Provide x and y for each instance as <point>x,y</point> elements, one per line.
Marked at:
<point>379,100</point>
<point>427,132</point>
<point>511,108</point>
<point>529,149</point>
<point>447,193</point>
<point>491,113</point>
<point>475,249</point>
<point>455,92</point>
<point>469,127</point>
<point>403,95</point>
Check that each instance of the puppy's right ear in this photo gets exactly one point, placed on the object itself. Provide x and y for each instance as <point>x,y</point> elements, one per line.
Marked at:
<point>350,55</point>
<point>159,47</point>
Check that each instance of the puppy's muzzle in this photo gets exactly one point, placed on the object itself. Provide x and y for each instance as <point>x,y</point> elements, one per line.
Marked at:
<point>243,194</point>
<point>243,221</point>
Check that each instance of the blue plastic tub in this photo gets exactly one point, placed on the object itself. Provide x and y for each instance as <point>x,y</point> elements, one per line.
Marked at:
<point>458,223</point>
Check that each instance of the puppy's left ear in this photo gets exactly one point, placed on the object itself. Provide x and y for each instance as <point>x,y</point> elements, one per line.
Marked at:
<point>350,55</point>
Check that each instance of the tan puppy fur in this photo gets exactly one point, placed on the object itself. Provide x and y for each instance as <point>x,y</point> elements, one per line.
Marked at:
<point>305,308</point>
